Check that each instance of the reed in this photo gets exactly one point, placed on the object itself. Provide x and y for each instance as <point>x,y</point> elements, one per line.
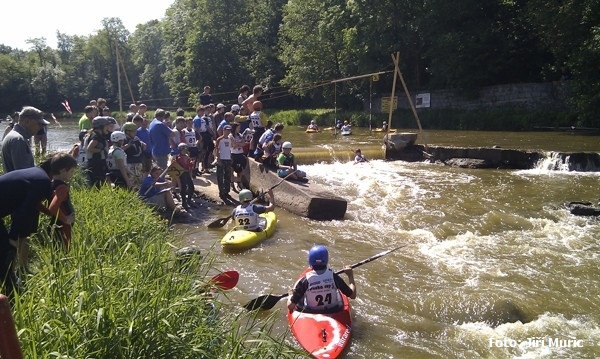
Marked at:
<point>120,292</point>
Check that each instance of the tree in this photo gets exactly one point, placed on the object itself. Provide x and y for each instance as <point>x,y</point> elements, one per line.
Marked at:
<point>257,43</point>
<point>14,83</point>
<point>176,27</point>
<point>148,53</point>
<point>570,30</point>
<point>313,47</point>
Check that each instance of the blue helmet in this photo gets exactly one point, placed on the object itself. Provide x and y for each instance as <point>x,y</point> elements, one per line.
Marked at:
<point>318,256</point>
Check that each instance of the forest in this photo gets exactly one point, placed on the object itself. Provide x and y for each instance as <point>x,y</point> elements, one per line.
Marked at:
<point>295,48</point>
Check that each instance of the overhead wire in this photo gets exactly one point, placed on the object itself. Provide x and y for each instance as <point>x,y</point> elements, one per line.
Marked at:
<point>282,91</point>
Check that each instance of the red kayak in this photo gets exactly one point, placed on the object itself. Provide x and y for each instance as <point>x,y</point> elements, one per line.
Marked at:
<point>322,335</point>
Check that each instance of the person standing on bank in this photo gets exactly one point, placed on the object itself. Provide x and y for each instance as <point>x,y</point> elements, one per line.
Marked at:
<point>160,142</point>
<point>223,156</point>
<point>16,148</point>
<point>22,192</point>
<point>317,291</point>
<point>96,150</point>
<point>11,123</point>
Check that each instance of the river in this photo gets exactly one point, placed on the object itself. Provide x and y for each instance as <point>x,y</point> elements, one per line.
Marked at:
<point>495,266</point>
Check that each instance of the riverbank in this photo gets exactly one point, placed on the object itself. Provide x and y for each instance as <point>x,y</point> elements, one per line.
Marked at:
<point>120,292</point>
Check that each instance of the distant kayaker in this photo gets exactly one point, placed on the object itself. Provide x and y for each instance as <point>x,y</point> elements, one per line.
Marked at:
<point>286,164</point>
<point>359,157</point>
<point>313,126</point>
<point>317,291</point>
<point>346,127</point>
<point>246,214</point>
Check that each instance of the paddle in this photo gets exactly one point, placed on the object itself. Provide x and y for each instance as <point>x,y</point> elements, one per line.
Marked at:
<point>268,301</point>
<point>226,280</point>
<point>223,221</point>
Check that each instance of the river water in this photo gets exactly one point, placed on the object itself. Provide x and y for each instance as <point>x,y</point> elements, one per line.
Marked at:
<point>494,265</point>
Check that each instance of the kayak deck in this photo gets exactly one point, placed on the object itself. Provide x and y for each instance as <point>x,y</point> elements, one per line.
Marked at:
<point>323,335</point>
<point>240,239</point>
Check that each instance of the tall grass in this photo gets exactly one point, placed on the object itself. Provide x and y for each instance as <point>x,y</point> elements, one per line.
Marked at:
<point>120,292</point>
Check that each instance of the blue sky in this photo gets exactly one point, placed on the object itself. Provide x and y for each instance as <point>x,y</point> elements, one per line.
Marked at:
<point>24,19</point>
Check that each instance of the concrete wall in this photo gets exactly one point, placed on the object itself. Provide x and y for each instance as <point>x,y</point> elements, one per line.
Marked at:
<point>500,158</point>
<point>530,96</point>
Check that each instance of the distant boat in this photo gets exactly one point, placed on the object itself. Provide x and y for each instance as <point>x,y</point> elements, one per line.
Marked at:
<point>346,133</point>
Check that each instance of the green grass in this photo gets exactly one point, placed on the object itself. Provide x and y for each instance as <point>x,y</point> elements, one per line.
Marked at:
<point>120,292</point>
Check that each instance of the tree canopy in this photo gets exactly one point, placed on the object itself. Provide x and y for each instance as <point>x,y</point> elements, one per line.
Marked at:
<point>294,47</point>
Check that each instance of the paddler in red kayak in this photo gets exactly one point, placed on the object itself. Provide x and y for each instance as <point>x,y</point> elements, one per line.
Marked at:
<point>317,291</point>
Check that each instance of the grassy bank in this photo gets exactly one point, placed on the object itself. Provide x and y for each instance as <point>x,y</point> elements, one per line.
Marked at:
<point>120,292</point>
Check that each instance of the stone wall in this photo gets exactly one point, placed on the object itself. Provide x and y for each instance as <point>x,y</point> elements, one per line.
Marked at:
<point>531,96</point>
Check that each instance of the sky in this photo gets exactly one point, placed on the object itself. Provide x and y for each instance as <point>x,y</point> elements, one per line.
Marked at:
<point>24,19</point>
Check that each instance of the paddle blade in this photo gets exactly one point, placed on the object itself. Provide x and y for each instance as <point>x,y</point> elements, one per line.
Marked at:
<point>264,302</point>
<point>219,222</point>
<point>226,280</point>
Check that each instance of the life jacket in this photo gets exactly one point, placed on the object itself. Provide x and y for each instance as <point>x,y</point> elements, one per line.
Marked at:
<point>190,137</point>
<point>235,139</point>
<point>204,123</point>
<point>111,161</point>
<point>79,153</point>
<point>66,207</point>
<point>288,159</point>
<point>96,162</point>
<point>322,293</point>
<point>246,217</point>
<point>134,151</point>
<point>255,119</point>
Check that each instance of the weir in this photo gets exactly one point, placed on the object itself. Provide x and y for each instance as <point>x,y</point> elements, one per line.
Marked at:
<point>402,147</point>
<point>329,154</point>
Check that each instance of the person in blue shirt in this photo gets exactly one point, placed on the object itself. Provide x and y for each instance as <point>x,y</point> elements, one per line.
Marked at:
<point>160,134</point>
<point>157,193</point>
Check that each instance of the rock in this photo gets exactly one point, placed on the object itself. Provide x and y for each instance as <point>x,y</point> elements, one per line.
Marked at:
<point>583,209</point>
<point>399,141</point>
<point>467,163</point>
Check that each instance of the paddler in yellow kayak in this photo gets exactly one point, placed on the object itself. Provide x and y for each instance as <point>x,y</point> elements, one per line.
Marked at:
<point>317,291</point>
<point>245,215</point>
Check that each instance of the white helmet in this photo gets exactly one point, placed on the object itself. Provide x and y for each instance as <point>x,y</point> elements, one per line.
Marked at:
<point>117,136</point>
<point>220,106</point>
<point>235,107</point>
<point>287,144</point>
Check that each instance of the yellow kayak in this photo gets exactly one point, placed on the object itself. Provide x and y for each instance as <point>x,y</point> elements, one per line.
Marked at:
<point>311,130</point>
<point>240,239</point>
<point>382,130</point>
